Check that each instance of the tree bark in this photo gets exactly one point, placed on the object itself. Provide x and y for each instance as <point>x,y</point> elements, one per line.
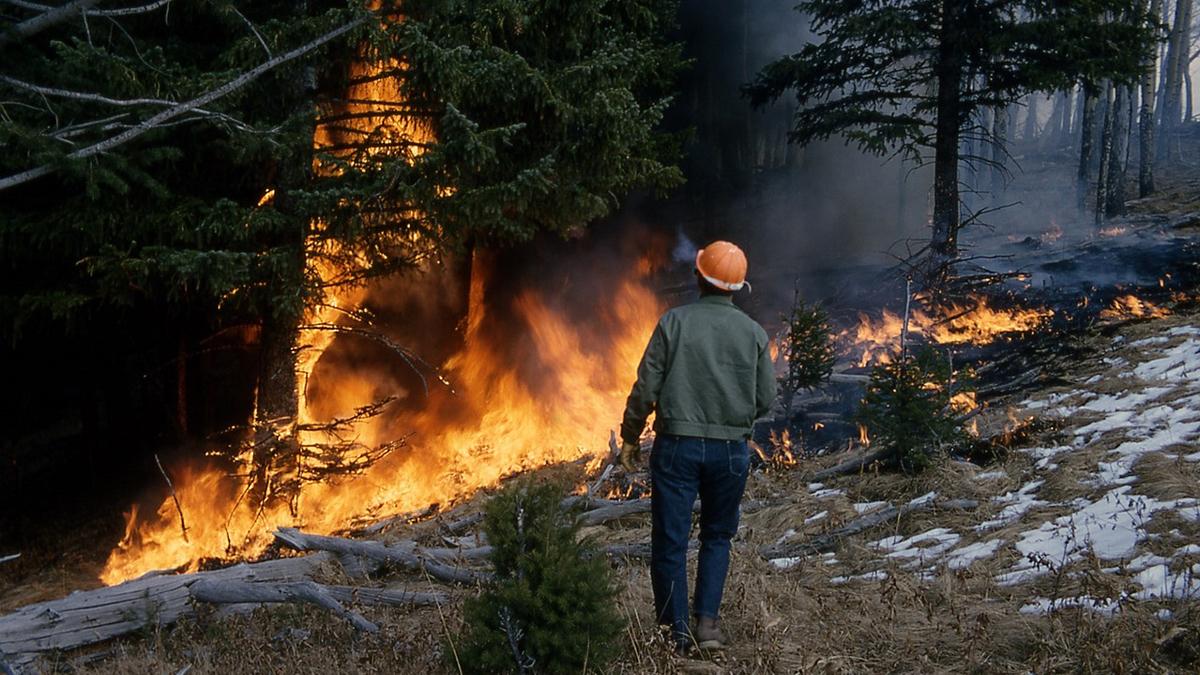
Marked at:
<point>1146,114</point>
<point>946,216</point>
<point>1087,124</point>
<point>1178,51</point>
<point>1114,204</point>
<point>1031,119</point>
<point>999,151</point>
<point>1106,152</point>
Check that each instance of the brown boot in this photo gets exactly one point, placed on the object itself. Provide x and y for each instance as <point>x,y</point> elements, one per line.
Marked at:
<point>708,633</point>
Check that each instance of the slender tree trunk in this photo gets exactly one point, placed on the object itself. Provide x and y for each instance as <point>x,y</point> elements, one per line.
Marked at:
<point>999,150</point>
<point>1146,114</point>
<point>1087,124</point>
<point>1178,50</point>
<point>1114,204</point>
<point>946,215</point>
<point>1106,153</point>
<point>1031,118</point>
<point>1068,113</point>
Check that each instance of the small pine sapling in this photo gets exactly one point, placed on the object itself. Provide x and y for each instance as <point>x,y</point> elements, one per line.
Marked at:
<point>551,607</point>
<point>909,408</point>
<point>806,346</point>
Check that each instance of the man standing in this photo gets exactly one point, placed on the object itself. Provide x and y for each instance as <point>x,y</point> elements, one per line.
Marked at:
<point>707,375</point>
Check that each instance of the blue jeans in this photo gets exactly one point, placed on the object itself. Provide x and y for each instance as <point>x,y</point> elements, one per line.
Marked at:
<point>682,467</point>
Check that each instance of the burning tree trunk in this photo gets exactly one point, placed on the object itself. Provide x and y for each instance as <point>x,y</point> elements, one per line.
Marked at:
<point>1146,112</point>
<point>1087,126</point>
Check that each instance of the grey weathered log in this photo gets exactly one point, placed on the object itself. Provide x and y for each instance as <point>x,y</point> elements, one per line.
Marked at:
<point>89,617</point>
<point>827,542</point>
<point>404,554</point>
<point>853,465</point>
<point>232,592</point>
<point>41,22</point>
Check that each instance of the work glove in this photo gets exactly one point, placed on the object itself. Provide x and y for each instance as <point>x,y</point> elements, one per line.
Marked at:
<point>631,456</point>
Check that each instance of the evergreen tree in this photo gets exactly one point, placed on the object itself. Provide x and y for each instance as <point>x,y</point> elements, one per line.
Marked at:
<point>551,609</point>
<point>907,77</point>
<point>126,202</point>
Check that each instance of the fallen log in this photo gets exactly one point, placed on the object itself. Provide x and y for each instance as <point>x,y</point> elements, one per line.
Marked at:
<point>853,465</point>
<point>406,554</point>
<point>827,542</point>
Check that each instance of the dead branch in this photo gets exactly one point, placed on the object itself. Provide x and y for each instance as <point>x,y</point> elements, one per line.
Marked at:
<point>239,592</point>
<point>44,20</point>
<point>123,11</point>
<point>407,556</point>
<point>9,558</point>
<point>170,113</point>
<point>171,486</point>
<point>828,541</point>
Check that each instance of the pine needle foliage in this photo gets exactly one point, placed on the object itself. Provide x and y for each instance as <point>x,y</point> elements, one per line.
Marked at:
<point>907,409</point>
<point>551,607</point>
<point>807,347</point>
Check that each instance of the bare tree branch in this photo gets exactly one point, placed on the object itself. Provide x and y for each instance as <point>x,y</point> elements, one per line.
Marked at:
<point>123,11</point>
<point>182,108</point>
<point>45,20</point>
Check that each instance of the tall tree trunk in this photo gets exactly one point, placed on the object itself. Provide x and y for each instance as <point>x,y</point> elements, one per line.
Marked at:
<point>999,150</point>
<point>1114,205</point>
<point>1178,51</point>
<point>1068,113</point>
<point>1031,118</point>
<point>1146,113</point>
<point>946,216</point>
<point>1087,125</point>
<point>1106,152</point>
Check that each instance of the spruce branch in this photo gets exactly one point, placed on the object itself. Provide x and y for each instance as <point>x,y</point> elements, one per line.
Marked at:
<point>194,104</point>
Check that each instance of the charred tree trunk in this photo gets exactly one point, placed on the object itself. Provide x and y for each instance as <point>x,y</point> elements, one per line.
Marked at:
<point>946,217</point>
<point>1114,204</point>
<point>1087,124</point>
<point>1068,114</point>
<point>1106,153</point>
<point>1146,114</point>
<point>1178,51</point>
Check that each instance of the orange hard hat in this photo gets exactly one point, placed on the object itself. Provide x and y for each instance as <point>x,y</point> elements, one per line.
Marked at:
<point>723,265</point>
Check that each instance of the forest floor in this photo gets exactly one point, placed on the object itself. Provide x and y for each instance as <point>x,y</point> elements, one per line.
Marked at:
<point>1082,555</point>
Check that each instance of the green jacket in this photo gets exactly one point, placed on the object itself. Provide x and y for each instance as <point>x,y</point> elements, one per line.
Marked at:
<point>707,372</point>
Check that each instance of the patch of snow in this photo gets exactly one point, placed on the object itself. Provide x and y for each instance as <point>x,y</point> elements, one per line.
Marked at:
<point>1043,606</point>
<point>991,475</point>
<point>1176,364</point>
<point>1019,503</point>
<point>785,536</point>
<point>1044,455</point>
<point>1110,527</point>
<point>1190,549</point>
<point>786,563</point>
<point>962,558</point>
<point>913,548</point>
<point>1159,583</point>
<point>1194,457</point>
<point>1146,342</point>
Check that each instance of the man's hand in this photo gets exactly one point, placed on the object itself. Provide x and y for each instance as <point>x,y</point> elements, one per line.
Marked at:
<point>631,456</point>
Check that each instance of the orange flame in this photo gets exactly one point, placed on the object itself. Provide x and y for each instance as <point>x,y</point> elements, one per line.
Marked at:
<point>1133,307</point>
<point>878,340</point>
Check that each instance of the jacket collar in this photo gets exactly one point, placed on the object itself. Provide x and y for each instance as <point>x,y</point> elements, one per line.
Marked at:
<point>714,299</point>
